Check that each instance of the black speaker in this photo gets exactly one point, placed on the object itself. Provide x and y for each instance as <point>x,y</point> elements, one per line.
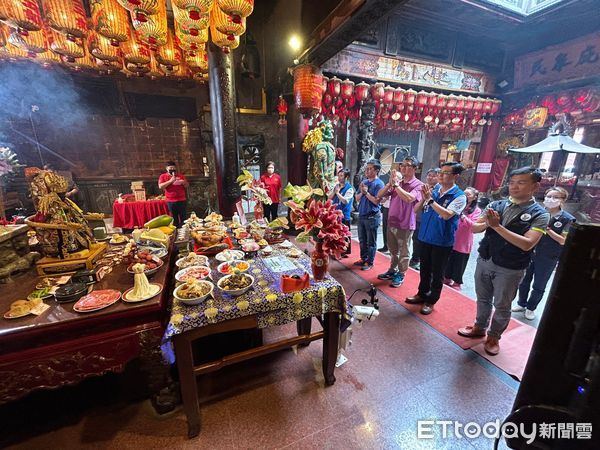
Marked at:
<point>561,382</point>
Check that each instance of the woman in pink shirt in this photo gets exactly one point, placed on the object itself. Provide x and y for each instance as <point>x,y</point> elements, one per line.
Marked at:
<point>272,182</point>
<point>463,240</point>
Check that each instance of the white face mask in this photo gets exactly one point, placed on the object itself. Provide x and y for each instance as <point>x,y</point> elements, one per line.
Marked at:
<point>551,202</point>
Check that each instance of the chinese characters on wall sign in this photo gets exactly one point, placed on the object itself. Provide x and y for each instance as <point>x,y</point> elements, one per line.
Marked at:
<point>574,59</point>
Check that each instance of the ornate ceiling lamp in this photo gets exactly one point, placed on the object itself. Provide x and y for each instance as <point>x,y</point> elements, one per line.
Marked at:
<point>47,59</point>
<point>190,26</point>
<point>87,63</point>
<point>222,40</point>
<point>153,31</point>
<point>237,9</point>
<point>60,45</point>
<point>66,16</point>
<point>169,55</point>
<point>137,69</point>
<point>198,63</point>
<point>32,44</point>
<point>141,10</point>
<point>308,89</point>
<point>110,20</point>
<point>179,72</point>
<point>100,48</point>
<point>135,52</point>
<point>225,24</point>
<point>187,42</point>
<point>24,15</point>
<point>194,9</point>
<point>154,71</point>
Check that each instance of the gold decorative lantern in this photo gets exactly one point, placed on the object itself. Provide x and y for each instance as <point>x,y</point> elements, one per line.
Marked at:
<point>154,30</point>
<point>100,47</point>
<point>187,42</point>
<point>31,45</point>
<point>110,20</point>
<point>141,10</point>
<point>169,55</point>
<point>154,71</point>
<point>47,59</point>
<point>189,25</point>
<point>88,63</point>
<point>225,24</point>
<point>24,15</point>
<point>194,8</point>
<point>237,9</point>
<point>66,16</point>
<point>308,89</point>
<point>198,63</point>
<point>137,69</point>
<point>135,51</point>
<point>60,45</point>
<point>109,67</point>
<point>222,40</point>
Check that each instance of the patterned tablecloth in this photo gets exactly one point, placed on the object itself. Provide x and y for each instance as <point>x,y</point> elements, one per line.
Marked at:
<point>265,300</point>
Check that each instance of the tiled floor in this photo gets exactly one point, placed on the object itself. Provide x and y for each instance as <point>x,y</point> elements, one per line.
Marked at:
<point>399,371</point>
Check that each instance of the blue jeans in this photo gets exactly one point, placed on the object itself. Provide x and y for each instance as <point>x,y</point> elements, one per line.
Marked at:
<point>539,270</point>
<point>367,237</point>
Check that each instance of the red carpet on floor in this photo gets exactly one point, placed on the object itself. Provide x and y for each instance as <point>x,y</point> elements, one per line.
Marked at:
<point>453,310</point>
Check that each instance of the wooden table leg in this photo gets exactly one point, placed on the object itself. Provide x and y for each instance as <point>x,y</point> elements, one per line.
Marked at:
<point>187,380</point>
<point>330,345</point>
<point>303,326</point>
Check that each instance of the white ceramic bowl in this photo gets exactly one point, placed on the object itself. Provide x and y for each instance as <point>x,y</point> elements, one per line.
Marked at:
<point>181,275</point>
<point>201,260</point>
<point>231,263</point>
<point>235,292</point>
<point>195,300</point>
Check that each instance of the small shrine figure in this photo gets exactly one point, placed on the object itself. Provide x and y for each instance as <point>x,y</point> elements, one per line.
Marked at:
<point>321,152</point>
<point>282,108</point>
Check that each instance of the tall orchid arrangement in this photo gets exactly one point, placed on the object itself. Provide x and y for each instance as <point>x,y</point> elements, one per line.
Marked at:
<point>247,182</point>
<point>321,222</point>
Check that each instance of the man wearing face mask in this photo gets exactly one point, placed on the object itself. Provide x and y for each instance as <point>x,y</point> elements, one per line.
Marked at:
<point>546,253</point>
<point>174,184</point>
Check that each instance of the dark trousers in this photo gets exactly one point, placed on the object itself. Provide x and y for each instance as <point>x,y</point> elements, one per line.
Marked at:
<point>348,239</point>
<point>433,265</point>
<point>271,211</point>
<point>367,237</point>
<point>416,245</point>
<point>457,263</point>
<point>385,212</point>
<point>539,270</point>
<point>178,211</point>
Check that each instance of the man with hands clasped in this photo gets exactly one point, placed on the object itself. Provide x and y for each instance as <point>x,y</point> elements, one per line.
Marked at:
<point>404,191</point>
<point>513,227</point>
<point>174,184</point>
<point>442,206</point>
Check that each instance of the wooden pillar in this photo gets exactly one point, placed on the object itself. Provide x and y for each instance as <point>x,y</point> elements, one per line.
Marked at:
<point>487,154</point>
<point>222,102</point>
<point>297,160</point>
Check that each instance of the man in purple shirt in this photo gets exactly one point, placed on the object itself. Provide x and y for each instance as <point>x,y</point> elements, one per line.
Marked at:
<point>404,190</point>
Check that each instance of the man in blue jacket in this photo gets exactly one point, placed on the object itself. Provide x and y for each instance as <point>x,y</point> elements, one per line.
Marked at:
<point>441,206</point>
<point>513,227</point>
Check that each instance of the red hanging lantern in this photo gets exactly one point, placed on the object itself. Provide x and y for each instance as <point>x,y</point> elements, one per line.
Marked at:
<point>422,99</point>
<point>377,91</point>
<point>388,95</point>
<point>398,97</point>
<point>487,105</point>
<point>347,91</point>
<point>460,103</point>
<point>361,92</point>
<point>468,107</point>
<point>563,100</point>
<point>410,97</point>
<point>432,100</point>
<point>442,100</point>
<point>496,104</point>
<point>478,105</point>
<point>308,89</point>
<point>451,103</point>
<point>334,86</point>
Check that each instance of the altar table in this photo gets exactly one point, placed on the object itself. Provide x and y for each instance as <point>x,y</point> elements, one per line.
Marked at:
<point>264,305</point>
<point>135,214</point>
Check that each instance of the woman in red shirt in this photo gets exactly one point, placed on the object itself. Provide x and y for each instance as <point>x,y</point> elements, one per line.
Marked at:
<point>272,182</point>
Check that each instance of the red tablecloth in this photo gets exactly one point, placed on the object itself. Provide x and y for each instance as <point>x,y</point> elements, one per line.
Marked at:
<point>136,214</point>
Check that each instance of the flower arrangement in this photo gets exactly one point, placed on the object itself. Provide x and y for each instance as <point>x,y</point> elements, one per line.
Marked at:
<point>301,194</point>
<point>8,163</point>
<point>248,183</point>
<point>321,223</point>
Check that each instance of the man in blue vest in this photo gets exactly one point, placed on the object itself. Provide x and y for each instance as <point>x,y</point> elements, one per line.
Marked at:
<point>513,227</point>
<point>441,206</point>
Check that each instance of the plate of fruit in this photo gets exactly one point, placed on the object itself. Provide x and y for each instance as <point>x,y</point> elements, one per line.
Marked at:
<point>152,263</point>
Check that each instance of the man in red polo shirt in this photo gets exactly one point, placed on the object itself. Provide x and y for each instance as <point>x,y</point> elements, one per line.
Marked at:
<point>174,185</point>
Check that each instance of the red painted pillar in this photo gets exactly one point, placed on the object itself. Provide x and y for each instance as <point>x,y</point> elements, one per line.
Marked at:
<point>487,154</point>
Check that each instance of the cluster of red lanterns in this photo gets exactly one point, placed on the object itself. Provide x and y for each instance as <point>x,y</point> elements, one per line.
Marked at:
<point>399,108</point>
<point>577,102</point>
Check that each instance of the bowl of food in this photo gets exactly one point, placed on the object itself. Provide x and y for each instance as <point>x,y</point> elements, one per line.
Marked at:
<point>192,260</point>
<point>294,252</point>
<point>193,291</point>
<point>228,267</point>
<point>235,284</point>
<point>229,255</point>
<point>267,250</point>
<point>152,263</point>
<point>195,272</point>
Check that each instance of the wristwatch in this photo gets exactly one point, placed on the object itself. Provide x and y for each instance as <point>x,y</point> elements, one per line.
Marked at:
<point>429,202</point>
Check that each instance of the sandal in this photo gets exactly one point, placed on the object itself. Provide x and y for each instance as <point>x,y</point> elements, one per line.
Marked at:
<point>471,331</point>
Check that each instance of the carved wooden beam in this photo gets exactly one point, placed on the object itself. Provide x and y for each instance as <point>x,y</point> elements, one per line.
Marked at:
<point>345,24</point>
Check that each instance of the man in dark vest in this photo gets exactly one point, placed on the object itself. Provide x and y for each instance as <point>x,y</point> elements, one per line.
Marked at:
<point>512,227</point>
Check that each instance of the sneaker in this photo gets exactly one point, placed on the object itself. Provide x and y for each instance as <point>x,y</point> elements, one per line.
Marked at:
<point>397,279</point>
<point>387,275</point>
<point>383,249</point>
<point>359,263</point>
<point>366,266</point>
<point>529,314</point>
<point>415,265</point>
<point>518,308</point>
<point>448,281</point>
